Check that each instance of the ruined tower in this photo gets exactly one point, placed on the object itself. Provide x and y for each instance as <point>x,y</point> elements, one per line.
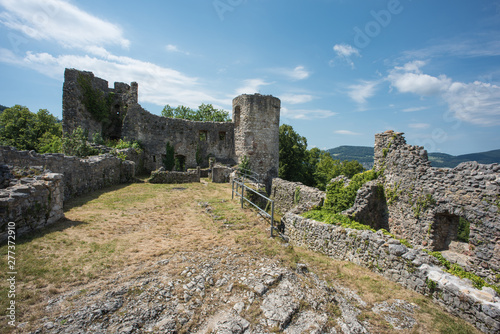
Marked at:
<point>256,121</point>
<point>89,103</point>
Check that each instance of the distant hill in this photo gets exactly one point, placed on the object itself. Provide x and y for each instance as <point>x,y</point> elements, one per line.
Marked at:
<point>364,154</point>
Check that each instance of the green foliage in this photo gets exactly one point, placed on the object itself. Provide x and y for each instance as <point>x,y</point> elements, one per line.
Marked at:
<point>121,144</point>
<point>97,139</point>
<point>458,271</point>
<point>24,130</point>
<point>169,160</point>
<point>205,113</point>
<point>296,195</point>
<point>392,194</point>
<point>431,284</point>
<point>95,101</point>
<point>76,144</point>
<point>340,198</point>
<point>463,230</point>
<point>292,154</point>
<point>180,163</point>
<point>330,217</point>
<point>327,169</point>
<point>422,204</point>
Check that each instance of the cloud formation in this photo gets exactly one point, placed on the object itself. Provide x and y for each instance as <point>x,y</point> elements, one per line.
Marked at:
<point>345,52</point>
<point>61,22</point>
<point>477,103</point>
<point>296,98</point>
<point>251,86</point>
<point>363,91</point>
<point>306,114</point>
<point>347,133</point>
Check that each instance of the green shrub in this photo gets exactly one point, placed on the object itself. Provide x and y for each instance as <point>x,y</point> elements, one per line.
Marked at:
<point>340,198</point>
<point>329,217</point>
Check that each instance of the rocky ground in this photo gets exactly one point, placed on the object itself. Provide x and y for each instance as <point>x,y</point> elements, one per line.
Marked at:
<point>218,291</point>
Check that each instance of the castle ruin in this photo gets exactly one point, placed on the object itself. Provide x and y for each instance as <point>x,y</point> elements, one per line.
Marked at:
<point>115,113</point>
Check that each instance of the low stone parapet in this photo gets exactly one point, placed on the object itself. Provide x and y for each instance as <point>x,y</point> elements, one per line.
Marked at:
<point>288,195</point>
<point>413,269</point>
<point>160,176</point>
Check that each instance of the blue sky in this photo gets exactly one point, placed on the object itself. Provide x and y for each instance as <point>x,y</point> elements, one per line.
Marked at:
<point>343,69</point>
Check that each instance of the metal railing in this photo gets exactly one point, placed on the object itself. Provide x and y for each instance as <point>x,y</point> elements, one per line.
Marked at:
<point>239,181</point>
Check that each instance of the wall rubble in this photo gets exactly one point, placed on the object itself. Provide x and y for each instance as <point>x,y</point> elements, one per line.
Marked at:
<point>31,203</point>
<point>80,176</point>
<point>411,268</point>
<point>425,203</point>
<point>162,176</point>
<point>288,195</point>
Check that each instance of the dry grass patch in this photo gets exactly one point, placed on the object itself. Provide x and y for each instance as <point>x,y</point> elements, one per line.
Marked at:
<point>129,228</point>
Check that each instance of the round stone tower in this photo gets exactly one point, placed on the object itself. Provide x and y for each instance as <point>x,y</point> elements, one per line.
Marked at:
<point>256,121</point>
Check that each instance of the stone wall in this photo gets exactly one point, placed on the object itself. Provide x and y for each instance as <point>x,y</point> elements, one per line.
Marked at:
<point>161,176</point>
<point>115,100</point>
<point>412,268</point>
<point>195,141</point>
<point>288,195</point>
<point>80,176</point>
<point>31,203</point>
<point>256,125</point>
<point>115,113</point>
<point>425,204</point>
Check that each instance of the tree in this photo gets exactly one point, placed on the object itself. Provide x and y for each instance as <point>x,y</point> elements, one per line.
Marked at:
<point>17,128</point>
<point>21,128</point>
<point>292,154</point>
<point>205,113</point>
<point>327,169</point>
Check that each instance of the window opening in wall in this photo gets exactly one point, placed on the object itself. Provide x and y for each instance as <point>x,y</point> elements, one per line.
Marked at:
<point>203,135</point>
<point>236,115</point>
<point>154,158</point>
<point>222,135</point>
<point>117,109</point>
<point>180,163</point>
<point>449,232</point>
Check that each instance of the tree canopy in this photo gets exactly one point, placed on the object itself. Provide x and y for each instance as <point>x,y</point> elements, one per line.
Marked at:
<point>205,113</point>
<point>25,130</point>
<point>312,167</point>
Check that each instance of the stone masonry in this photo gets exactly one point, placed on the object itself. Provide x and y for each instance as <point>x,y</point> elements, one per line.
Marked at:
<point>254,132</point>
<point>31,203</point>
<point>424,203</point>
<point>80,176</point>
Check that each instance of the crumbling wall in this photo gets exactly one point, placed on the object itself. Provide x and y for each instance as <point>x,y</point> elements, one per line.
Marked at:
<point>80,176</point>
<point>425,203</point>
<point>31,203</point>
<point>195,141</point>
<point>162,176</point>
<point>89,103</point>
<point>412,268</point>
<point>288,195</point>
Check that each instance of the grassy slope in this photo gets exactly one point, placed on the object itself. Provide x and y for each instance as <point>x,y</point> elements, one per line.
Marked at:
<point>125,227</point>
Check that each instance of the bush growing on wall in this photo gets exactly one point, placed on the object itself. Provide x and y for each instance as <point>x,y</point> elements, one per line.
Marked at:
<point>340,198</point>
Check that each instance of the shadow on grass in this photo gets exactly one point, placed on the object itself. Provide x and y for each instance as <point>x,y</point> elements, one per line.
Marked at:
<point>61,225</point>
<point>85,198</point>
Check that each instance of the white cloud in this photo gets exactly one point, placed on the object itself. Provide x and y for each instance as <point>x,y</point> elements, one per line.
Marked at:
<point>476,103</point>
<point>360,93</point>
<point>410,79</point>
<point>60,22</point>
<point>306,113</point>
<point>345,52</point>
<point>297,73</point>
<point>347,132</point>
<point>296,98</point>
<point>175,48</point>
<point>157,85</point>
<point>415,109</point>
<point>251,86</point>
<point>420,126</point>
